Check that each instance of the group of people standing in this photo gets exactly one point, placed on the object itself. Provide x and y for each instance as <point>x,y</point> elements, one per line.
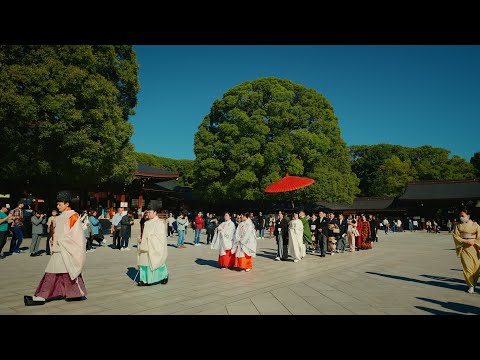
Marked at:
<point>236,245</point>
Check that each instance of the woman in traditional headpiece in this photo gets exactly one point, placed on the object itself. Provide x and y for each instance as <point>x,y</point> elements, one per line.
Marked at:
<point>223,242</point>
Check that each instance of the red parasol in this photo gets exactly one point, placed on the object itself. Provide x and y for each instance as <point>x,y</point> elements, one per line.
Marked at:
<point>289,183</point>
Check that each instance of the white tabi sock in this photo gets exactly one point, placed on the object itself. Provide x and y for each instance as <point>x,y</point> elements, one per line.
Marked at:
<point>38,298</point>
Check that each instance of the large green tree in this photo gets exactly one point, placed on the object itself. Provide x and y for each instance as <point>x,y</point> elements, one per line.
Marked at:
<point>262,129</point>
<point>185,167</point>
<point>381,176</point>
<point>475,161</point>
<point>392,177</point>
<point>64,112</point>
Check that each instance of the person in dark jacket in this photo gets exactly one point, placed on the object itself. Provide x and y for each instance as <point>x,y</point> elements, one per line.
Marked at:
<point>343,226</point>
<point>126,223</point>
<point>281,235</point>
<point>38,220</point>
<point>321,227</point>
<point>373,227</point>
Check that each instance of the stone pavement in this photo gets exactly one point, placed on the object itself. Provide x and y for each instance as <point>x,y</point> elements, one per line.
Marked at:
<point>405,273</point>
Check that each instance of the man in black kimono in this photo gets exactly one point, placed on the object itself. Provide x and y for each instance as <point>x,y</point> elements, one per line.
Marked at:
<point>322,233</point>
<point>281,235</point>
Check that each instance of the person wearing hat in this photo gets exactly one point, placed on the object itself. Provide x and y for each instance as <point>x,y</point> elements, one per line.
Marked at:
<point>63,275</point>
<point>152,250</point>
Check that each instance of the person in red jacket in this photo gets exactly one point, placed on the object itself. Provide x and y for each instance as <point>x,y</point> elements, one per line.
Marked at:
<point>199,221</point>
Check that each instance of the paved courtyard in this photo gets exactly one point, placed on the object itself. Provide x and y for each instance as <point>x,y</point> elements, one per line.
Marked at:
<point>405,273</point>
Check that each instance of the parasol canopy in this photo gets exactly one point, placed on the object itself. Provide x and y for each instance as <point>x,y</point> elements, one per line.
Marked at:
<point>289,183</point>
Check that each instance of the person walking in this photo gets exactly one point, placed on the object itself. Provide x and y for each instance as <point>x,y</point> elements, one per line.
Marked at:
<point>38,220</point>
<point>223,242</point>
<point>296,247</point>
<point>244,246</point>
<point>63,275</point>
<point>281,234</point>
<point>467,244</point>
<point>153,251</point>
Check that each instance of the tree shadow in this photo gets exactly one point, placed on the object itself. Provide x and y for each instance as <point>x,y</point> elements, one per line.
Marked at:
<point>172,245</point>
<point>212,263</point>
<point>450,249</point>
<point>24,248</point>
<point>433,283</point>
<point>132,272</point>
<point>457,307</point>
<point>456,269</point>
<point>443,278</point>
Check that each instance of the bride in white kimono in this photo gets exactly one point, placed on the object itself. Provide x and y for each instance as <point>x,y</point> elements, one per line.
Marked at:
<point>296,247</point>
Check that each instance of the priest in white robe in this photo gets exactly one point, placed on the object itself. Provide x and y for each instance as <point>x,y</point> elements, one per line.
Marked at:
<point>63,275</point>
<point>152,250</point>
<point>296,247</point>
<point>223,242</point>
<point>245,244</point>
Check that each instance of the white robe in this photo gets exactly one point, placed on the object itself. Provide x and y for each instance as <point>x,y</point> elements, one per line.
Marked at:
<point>223,238</point>
<point>68,250</point>
<point>296,247</point>
<point>152,251</point>
<point>245,241</point>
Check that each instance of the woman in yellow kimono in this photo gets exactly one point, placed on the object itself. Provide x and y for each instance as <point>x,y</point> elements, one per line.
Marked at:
<point>467,242</point>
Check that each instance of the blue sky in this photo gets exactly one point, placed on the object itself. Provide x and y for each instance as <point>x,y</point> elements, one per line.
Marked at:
<point>406,95</point>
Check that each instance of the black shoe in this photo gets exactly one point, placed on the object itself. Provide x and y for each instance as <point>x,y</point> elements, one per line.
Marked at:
<point>141,283</point>
<point>2,256</point>
<point>33,254</point>
<point>28,300</point>
<point>81,298</point>
<point>323,255</point>
<point>164,281</point>
<point>48,254</point>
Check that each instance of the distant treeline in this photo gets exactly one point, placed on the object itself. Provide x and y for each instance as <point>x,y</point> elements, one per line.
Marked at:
<point>383,169</point>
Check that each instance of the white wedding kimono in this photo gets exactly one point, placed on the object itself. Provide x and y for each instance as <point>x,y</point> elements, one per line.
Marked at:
<point>223,238</point>
<point>296,247</point>
<point>245,241</point>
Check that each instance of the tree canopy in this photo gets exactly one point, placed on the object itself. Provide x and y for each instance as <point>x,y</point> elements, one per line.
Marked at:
<point>475,161</point>
<point>185,167</point>
<point>64,112</point>
<point>385,170</point>
<point>262,129</point>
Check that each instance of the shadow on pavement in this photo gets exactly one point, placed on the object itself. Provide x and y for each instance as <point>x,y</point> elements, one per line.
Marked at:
<point>132,272</point>
<point>267,254</point>
<point>430,282</point>
<point>212,263</point>
<point>457,307</point>
<point>443,278</point>
<point>435,311</point>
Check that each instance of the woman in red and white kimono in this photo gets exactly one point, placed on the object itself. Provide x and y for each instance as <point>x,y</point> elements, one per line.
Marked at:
<point>223,242</point>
